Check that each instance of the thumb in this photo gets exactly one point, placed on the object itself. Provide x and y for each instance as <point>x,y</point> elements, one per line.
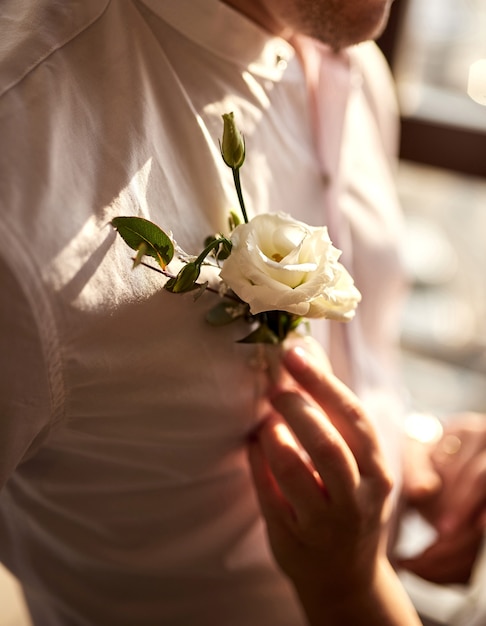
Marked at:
<point>420,479</point>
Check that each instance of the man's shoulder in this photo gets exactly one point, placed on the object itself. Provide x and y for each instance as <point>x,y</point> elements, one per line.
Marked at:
<point>32,30</point>
<point>371,59</point>
<point>378,88</point>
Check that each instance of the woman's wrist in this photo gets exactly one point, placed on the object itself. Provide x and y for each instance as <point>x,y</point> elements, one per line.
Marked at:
<point>375,599</point>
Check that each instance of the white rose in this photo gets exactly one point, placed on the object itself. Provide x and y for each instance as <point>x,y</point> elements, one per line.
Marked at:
<point>280,264</point>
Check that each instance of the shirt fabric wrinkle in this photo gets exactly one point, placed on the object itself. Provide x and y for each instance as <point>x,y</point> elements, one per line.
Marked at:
<point>150,406</point>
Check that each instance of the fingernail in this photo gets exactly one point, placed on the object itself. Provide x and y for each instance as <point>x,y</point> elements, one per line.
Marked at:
<point>297,358</point>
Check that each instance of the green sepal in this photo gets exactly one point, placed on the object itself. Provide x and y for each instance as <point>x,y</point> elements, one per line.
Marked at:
<point>225,248</point>
<point>138,232</point>
<point>225,312</point>
<point>216,245</point>
<point>280,323</point>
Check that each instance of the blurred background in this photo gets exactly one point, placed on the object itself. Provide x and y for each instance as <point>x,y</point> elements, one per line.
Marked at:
<point>442,183</point>
<point>430,45</point>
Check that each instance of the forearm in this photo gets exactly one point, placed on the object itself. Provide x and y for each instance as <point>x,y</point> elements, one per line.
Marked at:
<point>383,603</point>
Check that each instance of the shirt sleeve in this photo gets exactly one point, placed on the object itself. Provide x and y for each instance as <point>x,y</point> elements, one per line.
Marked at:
<point>25,397</point>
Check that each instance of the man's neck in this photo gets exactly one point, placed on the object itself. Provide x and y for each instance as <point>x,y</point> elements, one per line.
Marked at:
<point>258,12</point>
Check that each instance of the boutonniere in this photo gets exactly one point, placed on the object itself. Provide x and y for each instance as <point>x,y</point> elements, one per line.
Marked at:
<point>274,272</point>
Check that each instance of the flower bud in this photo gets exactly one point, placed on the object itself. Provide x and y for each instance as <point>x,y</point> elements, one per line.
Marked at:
<point>185,279</point>
<point>233,144</point>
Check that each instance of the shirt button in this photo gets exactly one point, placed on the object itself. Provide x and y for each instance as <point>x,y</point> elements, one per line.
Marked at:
<point>326,179</point>
<point>280,61</point>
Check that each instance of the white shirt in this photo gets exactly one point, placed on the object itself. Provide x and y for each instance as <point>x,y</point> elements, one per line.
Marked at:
<point>123,415</point>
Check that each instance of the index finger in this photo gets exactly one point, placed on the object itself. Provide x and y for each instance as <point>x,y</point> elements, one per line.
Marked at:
<point>341,406</point>
<point>321,441</point>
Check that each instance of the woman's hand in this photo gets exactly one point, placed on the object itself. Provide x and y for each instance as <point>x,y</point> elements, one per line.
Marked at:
<point>323,488</point>
<point>459,458</point>
<point>457,504</point>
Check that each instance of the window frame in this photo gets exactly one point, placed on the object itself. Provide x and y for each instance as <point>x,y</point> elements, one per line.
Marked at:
<point>423,141</point>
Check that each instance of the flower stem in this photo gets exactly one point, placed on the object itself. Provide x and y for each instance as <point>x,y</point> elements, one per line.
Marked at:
<point>236,178</point>
<point>213,245</point>
<point>167,274</point>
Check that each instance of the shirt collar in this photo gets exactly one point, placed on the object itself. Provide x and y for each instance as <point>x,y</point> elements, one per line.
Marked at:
<point>227,33</point>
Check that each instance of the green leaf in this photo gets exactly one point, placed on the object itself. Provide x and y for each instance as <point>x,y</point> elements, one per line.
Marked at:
<point>201,288</point>
<point>141,252</point>
<point>209,241</point>
<point>225,247</point>
<point>225,312</point>
<point>233,220</point>
<point>262,334</point>
<point>138,232</point>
